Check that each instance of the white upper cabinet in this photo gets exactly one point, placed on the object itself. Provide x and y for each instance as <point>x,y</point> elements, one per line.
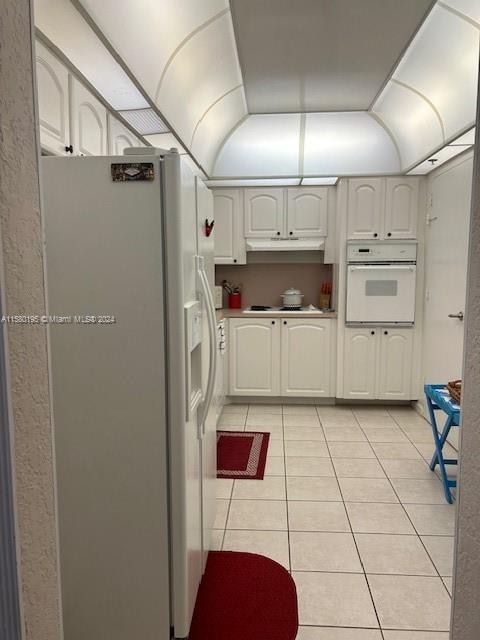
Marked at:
<point>306,347</point>
<point>307,211</point>
<point>53,102</point>
<point>382,208</point>
<point>365,206</point>
<point>395,369</point>
<point>228,230</point>
<point>401,207</point>
<point>359,365</point>
<point>264,213</point>
<point>254,354</point>
<point>119,137</point>
<point>89,122</point>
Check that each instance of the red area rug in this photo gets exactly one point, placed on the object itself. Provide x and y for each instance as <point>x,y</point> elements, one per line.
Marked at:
<point>241,454</point>
<point>244,596</point>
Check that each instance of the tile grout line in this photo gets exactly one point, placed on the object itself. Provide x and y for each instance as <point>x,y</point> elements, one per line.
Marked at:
<point>408,516</point>
<point>286,496</point>
<point>403,507</point>
<point>231,493</point>
<point>353,537</point>
<point>410,520</point>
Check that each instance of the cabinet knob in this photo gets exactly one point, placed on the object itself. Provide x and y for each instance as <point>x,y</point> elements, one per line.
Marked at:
<point>273,321</point>
<point>291,233</point>
<point>284,322</point>
<point>278,233</point>
<point>69,149</point>
<point>389,234</point>
<point>235,261</point>
<point>385,333</point>
<point>375,235</point>
<point>372,333</point>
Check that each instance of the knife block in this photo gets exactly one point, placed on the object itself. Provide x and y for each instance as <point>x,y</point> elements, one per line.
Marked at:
<point>324,302</point>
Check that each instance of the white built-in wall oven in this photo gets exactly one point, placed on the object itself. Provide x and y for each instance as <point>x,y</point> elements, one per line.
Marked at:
<point>381,278</point>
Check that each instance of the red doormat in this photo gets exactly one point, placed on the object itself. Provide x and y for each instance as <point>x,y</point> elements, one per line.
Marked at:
<point>244,596</point>
<point>241,454</point>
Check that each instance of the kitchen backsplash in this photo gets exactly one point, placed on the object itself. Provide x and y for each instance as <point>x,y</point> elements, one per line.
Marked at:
<point>264,283</point>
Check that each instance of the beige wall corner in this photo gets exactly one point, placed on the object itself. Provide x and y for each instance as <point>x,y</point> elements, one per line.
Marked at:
<point>23,292</point>
<point>466,610</point>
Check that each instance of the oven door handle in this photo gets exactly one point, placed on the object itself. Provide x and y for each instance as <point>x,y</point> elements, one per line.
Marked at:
<point>382,267</point>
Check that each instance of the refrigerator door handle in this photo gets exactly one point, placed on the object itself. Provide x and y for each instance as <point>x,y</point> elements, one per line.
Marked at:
<point>212,325</point>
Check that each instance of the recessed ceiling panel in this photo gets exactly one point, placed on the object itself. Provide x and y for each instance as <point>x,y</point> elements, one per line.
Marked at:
<point>442,66</point>
<point>469,8</point>
<point>220,118</point>
<point>412,120</point>
<point>347,144</point>
<point>263,145</point>
<point>146,34</point>
<point>204,69</point>
<point>320,55</point>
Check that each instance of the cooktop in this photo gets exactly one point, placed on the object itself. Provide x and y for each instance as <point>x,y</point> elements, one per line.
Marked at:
<point>257,308</point>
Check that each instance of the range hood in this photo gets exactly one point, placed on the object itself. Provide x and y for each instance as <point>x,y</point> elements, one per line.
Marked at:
<point>292,244</point>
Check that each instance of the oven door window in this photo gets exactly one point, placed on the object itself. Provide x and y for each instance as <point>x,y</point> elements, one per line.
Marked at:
<point>381,287</point>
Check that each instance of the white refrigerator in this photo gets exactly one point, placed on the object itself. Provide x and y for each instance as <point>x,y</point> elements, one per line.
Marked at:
<point>132,349</point>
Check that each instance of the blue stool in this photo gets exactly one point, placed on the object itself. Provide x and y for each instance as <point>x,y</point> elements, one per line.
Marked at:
<point>438,399</point>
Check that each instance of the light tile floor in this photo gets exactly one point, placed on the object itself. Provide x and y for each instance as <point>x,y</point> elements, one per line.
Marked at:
<point>350,507</point>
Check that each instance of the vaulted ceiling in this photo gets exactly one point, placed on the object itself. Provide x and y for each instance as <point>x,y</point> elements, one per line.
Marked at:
<point>269,88</point>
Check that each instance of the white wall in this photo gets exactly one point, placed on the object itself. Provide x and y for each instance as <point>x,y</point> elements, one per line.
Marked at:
<point>446,247</point>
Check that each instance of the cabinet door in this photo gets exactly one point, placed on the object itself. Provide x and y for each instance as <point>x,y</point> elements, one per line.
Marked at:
<point>359,364</point>
<point>395,370</point>
<point>119,137</point>
<point>365,208</point>
<point>264,213</point>
<point>52,88</point>
<point>307,212</point>
<point>306,357</point>
<point>228,230</point>
<point>89,122</point>
<point>401,212</point>
<point>254,352</point>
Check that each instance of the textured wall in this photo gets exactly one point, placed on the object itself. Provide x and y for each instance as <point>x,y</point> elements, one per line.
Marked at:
<point>23,290</point>
<point>466,609</point>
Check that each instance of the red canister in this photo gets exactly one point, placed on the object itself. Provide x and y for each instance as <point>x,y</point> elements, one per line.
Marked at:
<point>235,300</point>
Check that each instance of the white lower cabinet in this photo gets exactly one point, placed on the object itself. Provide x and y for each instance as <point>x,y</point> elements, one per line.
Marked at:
<point>254,350</point>
<point>395,366</point>
<point>359,363</point>
<point>306,352</point>
<point>281,357</point>
<point>377,363</point>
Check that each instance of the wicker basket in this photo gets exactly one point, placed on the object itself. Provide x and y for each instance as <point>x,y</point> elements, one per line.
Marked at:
<point>455,390</point>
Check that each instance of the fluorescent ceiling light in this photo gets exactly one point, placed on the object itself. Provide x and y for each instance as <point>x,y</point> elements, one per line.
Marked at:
<point>145,121</point>
<point>447,153</point>
<point>467,138</point>
<point>319,181</point>
<point>63,25</point>
<point>257,182</point>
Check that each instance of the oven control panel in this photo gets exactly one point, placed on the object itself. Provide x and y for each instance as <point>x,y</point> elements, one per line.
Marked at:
<point>382,251</point>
